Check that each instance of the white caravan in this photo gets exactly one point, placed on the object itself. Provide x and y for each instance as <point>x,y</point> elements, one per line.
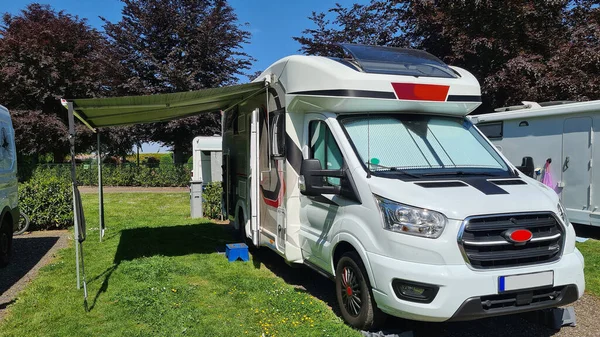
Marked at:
<point>206,158</point>
<point>562,133</point>
<point>367,170</point>
<point>9,200</point>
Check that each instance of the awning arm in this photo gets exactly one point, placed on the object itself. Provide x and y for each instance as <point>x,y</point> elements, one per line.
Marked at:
<point>69,106</point>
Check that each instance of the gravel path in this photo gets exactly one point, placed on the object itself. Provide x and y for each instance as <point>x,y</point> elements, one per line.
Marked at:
<point>133,189</point>
<point>31,251</point>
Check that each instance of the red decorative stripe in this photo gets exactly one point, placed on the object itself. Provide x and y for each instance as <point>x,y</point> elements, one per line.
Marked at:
<point>421,92</point>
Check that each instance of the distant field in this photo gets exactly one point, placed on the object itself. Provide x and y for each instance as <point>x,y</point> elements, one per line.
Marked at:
<point>133,157</point>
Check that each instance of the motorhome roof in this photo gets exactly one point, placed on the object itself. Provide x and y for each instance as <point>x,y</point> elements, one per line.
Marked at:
<point>538,110</point>
<point>315,83</point>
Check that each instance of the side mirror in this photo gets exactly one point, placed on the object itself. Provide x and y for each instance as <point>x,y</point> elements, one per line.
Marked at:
<point>311,178</point>
<point>527,167</point>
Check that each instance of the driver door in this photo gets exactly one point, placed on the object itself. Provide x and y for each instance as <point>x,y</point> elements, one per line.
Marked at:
<point>319,213</point>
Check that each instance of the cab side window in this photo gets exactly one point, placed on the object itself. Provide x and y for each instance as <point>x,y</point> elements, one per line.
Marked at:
<point>323,147</point>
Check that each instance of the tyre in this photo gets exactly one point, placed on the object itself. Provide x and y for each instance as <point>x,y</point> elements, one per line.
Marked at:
<point>5,242</point>
<point>23,224</point>
<point>242,229</point>
<point>354,296</point>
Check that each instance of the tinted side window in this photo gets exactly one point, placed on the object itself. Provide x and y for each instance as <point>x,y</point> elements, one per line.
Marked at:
<point>7,155</point>
<point>491,130</point>
<point>323,147</point>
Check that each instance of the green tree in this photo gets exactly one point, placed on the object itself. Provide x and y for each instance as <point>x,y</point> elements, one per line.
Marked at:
<point>46,55</point>
<point>518,49</point>
<point>179,45</point>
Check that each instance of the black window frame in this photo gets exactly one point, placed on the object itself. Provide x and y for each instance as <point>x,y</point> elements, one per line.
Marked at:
<point>500,136</point>
<point>277,116</point>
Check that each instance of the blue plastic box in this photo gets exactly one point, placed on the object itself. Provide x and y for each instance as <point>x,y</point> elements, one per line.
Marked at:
<point>235,251</point>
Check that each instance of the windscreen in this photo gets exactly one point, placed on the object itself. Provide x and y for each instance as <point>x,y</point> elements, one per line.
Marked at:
<point>423,143</point>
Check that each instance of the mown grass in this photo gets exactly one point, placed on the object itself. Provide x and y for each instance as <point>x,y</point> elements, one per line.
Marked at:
<point>157,273</point>
<point>591,253</point>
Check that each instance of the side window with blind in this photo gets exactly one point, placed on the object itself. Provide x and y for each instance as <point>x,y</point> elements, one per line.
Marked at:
<point>324,148</point>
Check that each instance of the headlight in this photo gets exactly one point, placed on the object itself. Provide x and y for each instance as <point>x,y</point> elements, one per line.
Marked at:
<point>562,213</point>
<point>410,220</point>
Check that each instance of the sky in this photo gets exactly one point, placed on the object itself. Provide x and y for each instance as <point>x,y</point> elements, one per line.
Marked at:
<point>272,24</point>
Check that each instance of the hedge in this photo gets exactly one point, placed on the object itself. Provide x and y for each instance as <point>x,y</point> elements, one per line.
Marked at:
<point>48,200</point>
<point>163,175</point>
<point>212,196</point>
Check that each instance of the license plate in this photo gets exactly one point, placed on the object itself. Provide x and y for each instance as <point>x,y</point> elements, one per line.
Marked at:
<point>525,281</point>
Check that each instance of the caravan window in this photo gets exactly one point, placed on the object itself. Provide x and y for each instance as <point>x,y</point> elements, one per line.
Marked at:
<point>323,147</point>
<point>491,130</point>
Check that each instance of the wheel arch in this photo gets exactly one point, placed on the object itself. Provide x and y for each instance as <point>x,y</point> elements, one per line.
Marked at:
<point>345,242</point>
<point>7,215</point>
<point>240,207</point>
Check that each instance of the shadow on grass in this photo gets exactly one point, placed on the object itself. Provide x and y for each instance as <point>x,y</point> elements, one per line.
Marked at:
<point>166,241</point>
<point>587,231</point>
<point>26,253</point>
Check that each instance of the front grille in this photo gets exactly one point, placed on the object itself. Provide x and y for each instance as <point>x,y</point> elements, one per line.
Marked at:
<point>484,246</point>
<point>539,296</point>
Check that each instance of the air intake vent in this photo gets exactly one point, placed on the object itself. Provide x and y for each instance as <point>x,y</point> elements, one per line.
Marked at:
<point>508,182</point>
<point>437,184</point>
<point>483,243</point>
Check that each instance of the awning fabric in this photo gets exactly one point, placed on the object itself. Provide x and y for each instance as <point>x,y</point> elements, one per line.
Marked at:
<point>102,112</point>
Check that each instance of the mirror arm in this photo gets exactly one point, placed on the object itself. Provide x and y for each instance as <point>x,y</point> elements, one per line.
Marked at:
<point>329,173</point>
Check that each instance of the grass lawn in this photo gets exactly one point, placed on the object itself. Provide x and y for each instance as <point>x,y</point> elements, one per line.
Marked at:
<point>591,252</point>
<point>157,273</point>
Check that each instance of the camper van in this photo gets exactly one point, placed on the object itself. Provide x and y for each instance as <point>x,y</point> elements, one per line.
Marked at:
<point>8,186</point>
<point>366,169</point>
<point>557,138</point>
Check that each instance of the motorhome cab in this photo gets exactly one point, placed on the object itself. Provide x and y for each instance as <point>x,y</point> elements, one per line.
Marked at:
<point>367,170</point>
<point>8,186</point>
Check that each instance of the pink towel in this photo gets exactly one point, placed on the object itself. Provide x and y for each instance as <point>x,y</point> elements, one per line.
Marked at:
<point>547,179</point>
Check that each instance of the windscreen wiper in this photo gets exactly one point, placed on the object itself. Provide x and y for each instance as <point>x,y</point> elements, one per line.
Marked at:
<point>392,169</point>
<point>459,173</point>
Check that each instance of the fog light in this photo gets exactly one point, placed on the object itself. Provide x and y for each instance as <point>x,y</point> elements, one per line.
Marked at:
<point>414,291</point>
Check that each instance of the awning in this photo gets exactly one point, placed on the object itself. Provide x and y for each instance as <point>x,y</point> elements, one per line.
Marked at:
<point>103,112</point>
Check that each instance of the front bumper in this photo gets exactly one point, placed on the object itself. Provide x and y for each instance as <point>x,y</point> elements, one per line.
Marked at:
<point>461,288</point>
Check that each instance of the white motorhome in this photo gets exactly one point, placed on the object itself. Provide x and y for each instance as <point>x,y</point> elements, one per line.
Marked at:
<point>9,200</point>
<point>561,133</point>
<point>367,170</point>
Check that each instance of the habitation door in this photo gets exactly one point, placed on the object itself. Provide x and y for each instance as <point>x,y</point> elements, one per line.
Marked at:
<point>577,162</point>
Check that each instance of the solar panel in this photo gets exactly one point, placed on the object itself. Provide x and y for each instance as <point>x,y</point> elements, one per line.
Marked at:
<point>398,61</point>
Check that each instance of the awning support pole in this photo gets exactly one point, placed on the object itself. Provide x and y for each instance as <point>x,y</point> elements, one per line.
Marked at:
<point>74,183</point>
<point>100,189</point>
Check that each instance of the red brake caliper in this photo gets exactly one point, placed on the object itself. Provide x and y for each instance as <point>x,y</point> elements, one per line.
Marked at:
<point>345,280</point>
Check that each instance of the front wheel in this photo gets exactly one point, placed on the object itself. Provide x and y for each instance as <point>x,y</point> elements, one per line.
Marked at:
<point>354,295</point>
